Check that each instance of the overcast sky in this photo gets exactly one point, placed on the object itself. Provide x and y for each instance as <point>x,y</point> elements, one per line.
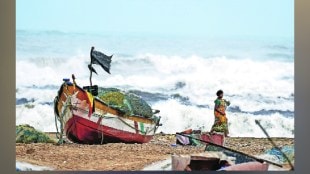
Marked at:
<point>186,17</point>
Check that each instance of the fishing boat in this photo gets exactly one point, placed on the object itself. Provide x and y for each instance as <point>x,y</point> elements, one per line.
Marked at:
<point>86,118</point>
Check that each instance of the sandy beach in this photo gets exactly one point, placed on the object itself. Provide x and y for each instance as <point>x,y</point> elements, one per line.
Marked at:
<point>120,156</point>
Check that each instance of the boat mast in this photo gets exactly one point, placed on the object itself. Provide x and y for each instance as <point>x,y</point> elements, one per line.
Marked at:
<point>90,66</point>
<point>90,77</point>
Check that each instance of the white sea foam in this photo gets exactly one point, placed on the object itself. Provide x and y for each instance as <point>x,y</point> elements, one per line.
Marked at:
<point>249,85</point>
<point>177,117</point>
<point>257,76</point>
<point>40,117</point>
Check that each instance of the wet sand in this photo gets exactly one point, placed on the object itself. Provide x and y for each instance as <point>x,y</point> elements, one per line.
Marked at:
<point>120,156</point>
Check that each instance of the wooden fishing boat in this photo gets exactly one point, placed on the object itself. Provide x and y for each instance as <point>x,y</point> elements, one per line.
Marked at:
<point>85,118</point>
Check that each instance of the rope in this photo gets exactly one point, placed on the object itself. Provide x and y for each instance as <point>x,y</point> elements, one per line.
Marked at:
<point>101,132</point>
<point>60,135</point>
<point>56,116</point>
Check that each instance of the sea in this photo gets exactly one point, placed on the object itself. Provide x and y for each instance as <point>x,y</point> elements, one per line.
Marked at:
<point>176,74</point>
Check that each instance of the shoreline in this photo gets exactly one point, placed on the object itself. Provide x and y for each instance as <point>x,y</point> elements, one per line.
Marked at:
<point>131,157</point>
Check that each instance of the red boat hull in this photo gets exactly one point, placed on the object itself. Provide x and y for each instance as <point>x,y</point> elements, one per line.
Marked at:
<point>84,131</point>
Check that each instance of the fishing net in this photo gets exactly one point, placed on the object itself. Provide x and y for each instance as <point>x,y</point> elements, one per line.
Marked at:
<point>28,134</point>
<point>287,150</point>
<point>129,103</point>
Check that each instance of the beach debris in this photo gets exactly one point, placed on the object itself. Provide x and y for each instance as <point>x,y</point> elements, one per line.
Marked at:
<point>28,134</point>
<point>193,136</point>
<point>240,156</point>
<point>275,146</point>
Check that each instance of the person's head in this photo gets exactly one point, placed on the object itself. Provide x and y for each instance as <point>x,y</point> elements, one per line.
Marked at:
<point>220,93</point>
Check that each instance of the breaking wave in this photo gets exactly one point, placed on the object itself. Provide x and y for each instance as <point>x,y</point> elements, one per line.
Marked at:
<point>180,78</point>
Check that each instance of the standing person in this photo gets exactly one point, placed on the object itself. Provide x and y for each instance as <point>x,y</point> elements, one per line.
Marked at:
<point>220,119</point>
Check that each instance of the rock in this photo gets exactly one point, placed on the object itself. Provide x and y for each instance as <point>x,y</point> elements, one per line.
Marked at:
<point>29,151</point>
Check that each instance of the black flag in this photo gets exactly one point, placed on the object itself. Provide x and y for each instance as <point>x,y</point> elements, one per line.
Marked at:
<point>91,68</point>
<point>100,59</point>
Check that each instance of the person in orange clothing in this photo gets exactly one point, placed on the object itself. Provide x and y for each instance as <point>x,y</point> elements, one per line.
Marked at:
<point>220,119</point>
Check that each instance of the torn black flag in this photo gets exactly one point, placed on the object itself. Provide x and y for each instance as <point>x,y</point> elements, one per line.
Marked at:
<point>100,59</point>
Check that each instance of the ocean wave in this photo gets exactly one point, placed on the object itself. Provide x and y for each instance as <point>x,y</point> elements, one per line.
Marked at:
<point>40,116</point>
<point>237,109</point>
<point>157,97</point>
<point>178,117</point>
<point>150,97</point>
<point>182,87</point>
<point>254,86</point>
<point>20,101</point>
<point>285,56</point>
<point>280,47</point>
